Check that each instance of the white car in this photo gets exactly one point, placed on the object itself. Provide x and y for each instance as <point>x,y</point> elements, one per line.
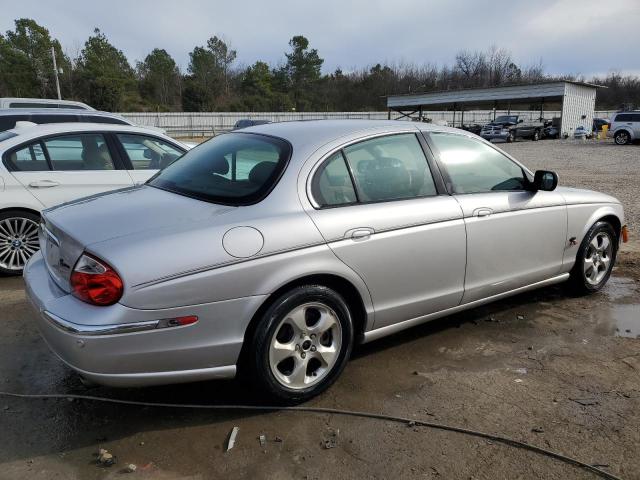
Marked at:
<point>11,102</point>
<point>46,165</point>
<point>625,127</point>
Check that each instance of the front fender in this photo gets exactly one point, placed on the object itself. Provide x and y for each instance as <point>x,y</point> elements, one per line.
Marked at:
<point>580,218</point>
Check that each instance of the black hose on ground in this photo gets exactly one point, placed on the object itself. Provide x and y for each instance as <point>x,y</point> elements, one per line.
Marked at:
<point>378,416</point>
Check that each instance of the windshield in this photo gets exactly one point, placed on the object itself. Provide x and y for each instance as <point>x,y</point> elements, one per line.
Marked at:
<point>232,169</point>
<point>506,119</point>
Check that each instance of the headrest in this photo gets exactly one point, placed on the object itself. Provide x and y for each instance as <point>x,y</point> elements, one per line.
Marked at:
<point>261,172</point>
<point>220,165</point>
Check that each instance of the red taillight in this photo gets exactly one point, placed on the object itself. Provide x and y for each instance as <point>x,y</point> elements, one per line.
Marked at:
<point>93,281</point>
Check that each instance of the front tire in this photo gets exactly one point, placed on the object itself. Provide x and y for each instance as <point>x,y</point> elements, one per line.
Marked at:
<point>511,137</point>
<point>18,240</point>
<point>622,138</point>
<point>536,136</point>
<point>302,344</point>
<point>595,259</point>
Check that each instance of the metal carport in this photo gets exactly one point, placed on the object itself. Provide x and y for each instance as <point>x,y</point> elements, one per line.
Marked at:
<point>577,101</point>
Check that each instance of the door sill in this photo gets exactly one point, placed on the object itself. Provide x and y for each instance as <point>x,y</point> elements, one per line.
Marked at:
<point>397,327</point>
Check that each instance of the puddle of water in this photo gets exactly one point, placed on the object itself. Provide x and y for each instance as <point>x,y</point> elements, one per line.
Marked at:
<point>627,320</point>
<point>619,287</point>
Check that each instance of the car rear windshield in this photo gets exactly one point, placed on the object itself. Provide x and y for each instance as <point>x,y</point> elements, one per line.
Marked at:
<point>232,169</point>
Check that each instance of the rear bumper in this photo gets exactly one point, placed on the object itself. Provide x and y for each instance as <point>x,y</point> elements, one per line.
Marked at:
<point>119,346</point>
<point>494,136</point>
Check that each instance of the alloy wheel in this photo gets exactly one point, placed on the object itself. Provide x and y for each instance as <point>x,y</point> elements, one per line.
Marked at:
<point>18,242</point>
<point>305,346</point>
<point>622,138</point>
<point>597,258</point>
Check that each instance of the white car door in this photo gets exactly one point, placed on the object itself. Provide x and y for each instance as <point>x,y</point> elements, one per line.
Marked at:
<point>146,154</point>
<point>66,167</point>
<point>515,237</point>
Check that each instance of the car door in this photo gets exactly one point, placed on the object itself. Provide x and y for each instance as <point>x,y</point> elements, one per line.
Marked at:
<point>380,210</point>
<point>515,237</point>
<point>146,154</point>
<point>62,168</point>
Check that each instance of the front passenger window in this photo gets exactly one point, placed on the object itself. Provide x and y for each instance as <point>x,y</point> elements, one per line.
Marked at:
<point>475,167</point>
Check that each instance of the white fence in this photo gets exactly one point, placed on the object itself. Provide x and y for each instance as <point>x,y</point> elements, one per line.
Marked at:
<point>190,124</point>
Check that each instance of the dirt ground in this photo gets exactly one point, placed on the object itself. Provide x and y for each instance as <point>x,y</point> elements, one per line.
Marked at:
<point>545,368</point>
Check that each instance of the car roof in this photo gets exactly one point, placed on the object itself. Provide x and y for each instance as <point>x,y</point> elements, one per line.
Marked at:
<point>35,131</point>
<point>55,111</point>
<point>50,101</point>
<point>309,135</point>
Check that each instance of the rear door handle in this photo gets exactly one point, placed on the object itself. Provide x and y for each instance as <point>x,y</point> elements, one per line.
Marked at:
<point>482,212</point>
<point>44,184</point>
<point>359,233</point>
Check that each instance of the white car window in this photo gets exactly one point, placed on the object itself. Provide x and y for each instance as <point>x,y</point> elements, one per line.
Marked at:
<point>79,152</point>
<point>29,159</point>
<point>148,153</point>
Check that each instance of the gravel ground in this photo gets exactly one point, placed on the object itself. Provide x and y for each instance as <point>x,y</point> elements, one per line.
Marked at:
<point>604,166</point>
<point>546,368</point>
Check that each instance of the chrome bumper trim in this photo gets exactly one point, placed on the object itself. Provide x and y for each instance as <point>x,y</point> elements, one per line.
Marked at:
<point>99,329</point>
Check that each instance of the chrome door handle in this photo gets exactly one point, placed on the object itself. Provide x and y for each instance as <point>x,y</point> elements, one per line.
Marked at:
<point>360,233</point>
<point>44,184</point>
<point>482,212</point>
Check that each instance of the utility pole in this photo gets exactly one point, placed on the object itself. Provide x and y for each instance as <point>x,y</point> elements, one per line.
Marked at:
<point>55,70</point>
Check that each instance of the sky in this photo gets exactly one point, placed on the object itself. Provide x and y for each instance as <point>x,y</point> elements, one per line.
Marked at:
<point>585,37</point>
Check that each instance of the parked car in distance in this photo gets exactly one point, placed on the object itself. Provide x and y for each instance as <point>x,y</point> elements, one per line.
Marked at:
<point>244,123</point>
<point>551,128</point>
<point>274,249</point>
<point>46,165</point>
<point>9,102</point>
<point>581,133</point>
<point>9,117</point>
<point>511,127</point>
<point>474,128</point>
<point>625,127</point>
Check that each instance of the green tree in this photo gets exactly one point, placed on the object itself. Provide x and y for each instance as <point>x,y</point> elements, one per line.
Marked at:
<point>208,83</point>
<point>159,79</point>
<point>104,77</point>
<point>26,66</point>
<point>303,71</point>
<point>257,87</point>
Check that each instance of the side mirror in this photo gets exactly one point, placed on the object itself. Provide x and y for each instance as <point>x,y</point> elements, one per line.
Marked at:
<point>520,121</point>
<point>545,180</point>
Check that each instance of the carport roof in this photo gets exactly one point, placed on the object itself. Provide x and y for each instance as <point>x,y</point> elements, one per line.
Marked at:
<point>479,96</point>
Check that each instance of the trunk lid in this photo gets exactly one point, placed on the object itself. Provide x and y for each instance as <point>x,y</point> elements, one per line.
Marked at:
<point>67,230</point>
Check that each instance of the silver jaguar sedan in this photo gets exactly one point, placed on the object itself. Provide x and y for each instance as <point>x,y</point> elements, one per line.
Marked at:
<point>270,251</point>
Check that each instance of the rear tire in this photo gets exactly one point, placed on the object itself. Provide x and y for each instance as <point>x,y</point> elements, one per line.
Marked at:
<point>18,240</point>
<point>622,137</point>
<point>595,259</point>
<point>301,345</point>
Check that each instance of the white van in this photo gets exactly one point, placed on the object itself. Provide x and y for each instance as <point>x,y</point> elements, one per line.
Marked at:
<point>8,102</point>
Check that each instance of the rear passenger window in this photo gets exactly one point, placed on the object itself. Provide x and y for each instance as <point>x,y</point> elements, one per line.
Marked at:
<point>332,184</point>
<point>79,152</point>
<point>29,159</point>
<point>390,168</point>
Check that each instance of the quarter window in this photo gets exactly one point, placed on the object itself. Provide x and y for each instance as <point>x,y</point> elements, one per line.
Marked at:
<point>390,168</point>
<point>79,152</point>
<point>475,167</point>
<point>29,159</point>
<point>332,184</point>
<point>148,152</point>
